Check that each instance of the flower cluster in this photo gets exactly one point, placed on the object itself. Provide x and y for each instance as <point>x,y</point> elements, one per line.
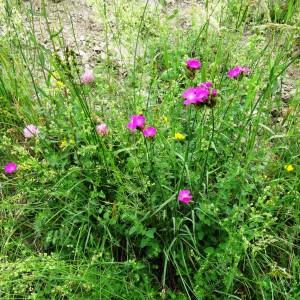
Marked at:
<point>203,94</point>
<point>137,122</point>
<point>237,71</point>
<point>200,94</point>
<point>30,131</point>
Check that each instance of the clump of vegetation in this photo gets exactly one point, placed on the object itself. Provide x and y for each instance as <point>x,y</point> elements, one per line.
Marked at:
<point>171,174</point>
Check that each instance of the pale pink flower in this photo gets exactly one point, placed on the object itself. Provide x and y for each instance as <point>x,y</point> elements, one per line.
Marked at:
<point>30,131</point>
<point>102,129</point>
<point>87,77</point>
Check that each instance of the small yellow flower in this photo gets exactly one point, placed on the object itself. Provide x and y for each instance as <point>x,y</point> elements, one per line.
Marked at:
<point>179,136</point>
<point>63,144</point>
<point>25,166</point>
<point>59,84</point>
<point>289,168</point>
<point>165,120</point>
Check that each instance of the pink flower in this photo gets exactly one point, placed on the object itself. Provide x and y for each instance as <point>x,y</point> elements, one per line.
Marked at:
<point>193,64</point>
<point>10,168</point>
<point>30,131</point>
<point>102,129</point>
<point>214,92</point>
<point>87,77</point>
<point>246,70</point>
<point>238,70</point>
<point>195,95</point>
<point>200,94</point>
<point>136,122</point>
<point>131,126</point>
<point>185,196</point>
<point>149,132</point>
<point>205,85</point>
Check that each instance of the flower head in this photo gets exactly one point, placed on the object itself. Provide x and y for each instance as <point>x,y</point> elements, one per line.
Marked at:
<point>185,196</point>
<point>10,168</point>
<point>238,70</point>
<point>136,122</point>
<point>202,94</point>
<point>193,64</point>
<point>165,120</point>
<point>87,77</point>
<point>195,95</point>
<point>59,84</point>
<point>214,92</point>
<point>245,70</point>
<point>179,136</point>
<point>289,168</point>
<point>149,132</point>
<point>30,131</point>
<point>205,85</point>
<point>63,144</point>
<point>102,129</point>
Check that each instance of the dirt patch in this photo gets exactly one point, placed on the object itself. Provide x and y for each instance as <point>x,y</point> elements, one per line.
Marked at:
<point>75,20</point>
<point>82,32</point>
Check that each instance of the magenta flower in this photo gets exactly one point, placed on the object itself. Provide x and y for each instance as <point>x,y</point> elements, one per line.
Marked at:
<point>131,126</point>
<point>10,168</point>
<point>136,122</point>
<point>195,95</point>
<point>237,71</point>
<point>246,70</point>
<point>149,132</point>
<point>214,92</point>
<point>87,77</point>
<point>205,85</point>
<point>30,131</point>
<point>203,94</point>
<point>102,129</point>
<point>193,64</point>
<point>185,196</point>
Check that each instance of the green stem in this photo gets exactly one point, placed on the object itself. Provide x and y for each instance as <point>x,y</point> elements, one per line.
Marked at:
<point>209,145</point>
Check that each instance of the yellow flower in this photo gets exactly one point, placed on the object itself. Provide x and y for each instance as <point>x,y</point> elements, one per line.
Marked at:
<point>289,168</point>
<point>63,144</point>
<point>179,136</point>
<point>165,120</point>
<point>59,84</point>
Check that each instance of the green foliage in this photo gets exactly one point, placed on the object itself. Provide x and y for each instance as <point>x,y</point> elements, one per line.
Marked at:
<point>103,210</point>
<point>49,277</point>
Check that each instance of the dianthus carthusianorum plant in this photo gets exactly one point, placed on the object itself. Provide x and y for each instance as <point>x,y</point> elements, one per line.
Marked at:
<point>166,169</point>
